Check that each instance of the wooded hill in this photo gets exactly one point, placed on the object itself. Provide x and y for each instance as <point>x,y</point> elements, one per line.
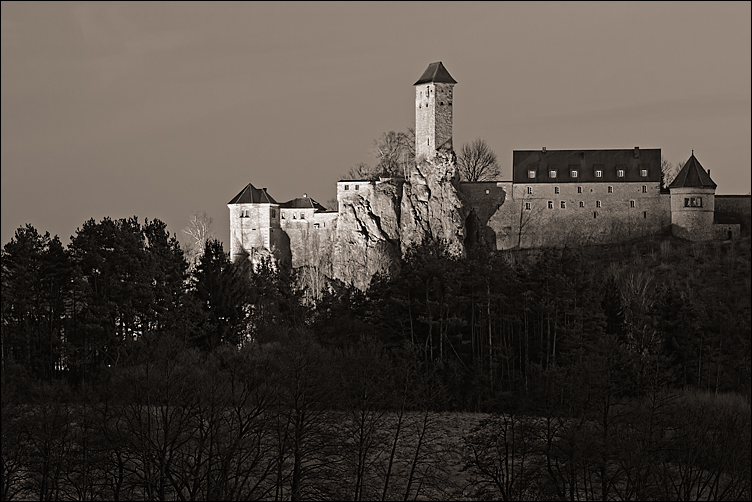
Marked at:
<point>612,372</point>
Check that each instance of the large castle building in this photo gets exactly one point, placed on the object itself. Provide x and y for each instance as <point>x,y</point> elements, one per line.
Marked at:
<point>556,198</point>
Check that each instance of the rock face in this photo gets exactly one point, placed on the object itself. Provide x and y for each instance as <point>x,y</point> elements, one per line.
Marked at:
<point>367,237</point>
<point>380,220</point>
<point>431,207</point>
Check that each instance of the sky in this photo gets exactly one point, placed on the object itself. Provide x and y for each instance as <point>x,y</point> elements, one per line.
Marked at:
<point>158,110</point>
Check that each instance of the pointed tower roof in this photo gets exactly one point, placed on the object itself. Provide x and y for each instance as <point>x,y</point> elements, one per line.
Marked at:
<point>436,73</point>
<point>252,195</point>
<point>303,203</point>
<point>692,175</point>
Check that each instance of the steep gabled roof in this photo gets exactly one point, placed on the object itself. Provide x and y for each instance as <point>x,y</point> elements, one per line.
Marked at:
<point>252,195</point>
<point>436,73</point>
<point>303,203</point>
<point>692,175</point>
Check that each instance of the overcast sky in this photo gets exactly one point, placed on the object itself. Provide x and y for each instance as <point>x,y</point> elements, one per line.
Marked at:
<point>160,109</point>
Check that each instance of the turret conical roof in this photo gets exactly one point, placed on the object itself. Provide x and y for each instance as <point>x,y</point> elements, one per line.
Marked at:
<point>252,195</point>
<point>692,175</point>
<point>436,73</point>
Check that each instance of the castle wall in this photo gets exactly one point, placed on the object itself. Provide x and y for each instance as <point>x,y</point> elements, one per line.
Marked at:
<point>309,233</point>
<point>590,214</point>
<point>694,223</point>
<point>481,201</point>
<point>254,226</point>
<point>734,209</point>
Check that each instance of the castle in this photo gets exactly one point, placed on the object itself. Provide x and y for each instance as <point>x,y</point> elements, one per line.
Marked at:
<point>556,198</point>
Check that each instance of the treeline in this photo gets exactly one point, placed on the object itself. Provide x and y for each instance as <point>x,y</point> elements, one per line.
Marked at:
<point>615,372</point>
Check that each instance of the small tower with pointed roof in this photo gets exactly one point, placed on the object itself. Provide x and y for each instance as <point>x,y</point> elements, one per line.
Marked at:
<point>255,224</point>
<point>433,111</point>
<point>692,202</point>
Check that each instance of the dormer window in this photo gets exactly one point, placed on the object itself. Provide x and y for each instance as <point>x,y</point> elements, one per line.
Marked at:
<point>552,173</point>
<point>620,173</point>
<point>531,174</point>
<point>598,173</point>
<point>574,173</point>
<point>644,173</point>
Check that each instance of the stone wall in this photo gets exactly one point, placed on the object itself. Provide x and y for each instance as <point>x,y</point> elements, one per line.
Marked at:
<point>734,209</point>
<point>579,214</point>
<point>693,223</point>
<point>433,118</point>
<point>256,226</point>
<point>481,201</point>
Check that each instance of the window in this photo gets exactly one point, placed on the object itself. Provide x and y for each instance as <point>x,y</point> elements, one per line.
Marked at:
<point>556,189</point>
<point>357,187</point>
<point>315,225</point>
<point>644,189</point>
<point>531,174</point>
<point>620,173</point>
<point>574,173</point>
<point>643,172</point>
<point>552,174</point>
<point>595,214</point>
<point>530,190</point>
<point>693,202</point>
<point>645,214</point>
<point>488,191</point>
<point>631,203</point>
<point>597,203</point>
<point>579,189</point>
<point>550,204</point>
<point>582,204</point>
<point>610,189</point>
<point>527,206</point>
<point>563,204</point>
<point>598,173</point>
<point>302,216</point>
<point>282,215</point>
<point>294,217</point>
<point>347,187</point>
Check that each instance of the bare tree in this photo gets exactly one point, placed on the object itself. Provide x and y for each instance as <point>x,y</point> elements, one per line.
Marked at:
<point>477,162</point>
<point>394,153</point>
<point>669,171</point>
<point>198,231</point>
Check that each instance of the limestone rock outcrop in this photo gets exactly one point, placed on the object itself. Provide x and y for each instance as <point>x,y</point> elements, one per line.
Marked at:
<point>367,236</point>
<point>431,207</point>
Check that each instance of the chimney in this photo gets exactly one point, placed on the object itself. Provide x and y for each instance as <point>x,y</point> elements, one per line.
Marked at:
<point>263,189</point>
<point>544,149</point>
<point>305,195</point>
<point>708,173</point>
<point>637,152</point>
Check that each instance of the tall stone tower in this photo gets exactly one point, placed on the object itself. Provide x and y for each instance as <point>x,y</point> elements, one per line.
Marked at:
<point>433,111</point>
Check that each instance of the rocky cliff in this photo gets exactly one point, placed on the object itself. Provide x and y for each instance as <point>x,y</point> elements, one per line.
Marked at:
<point>378,225</point>
<point>431,206</point>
